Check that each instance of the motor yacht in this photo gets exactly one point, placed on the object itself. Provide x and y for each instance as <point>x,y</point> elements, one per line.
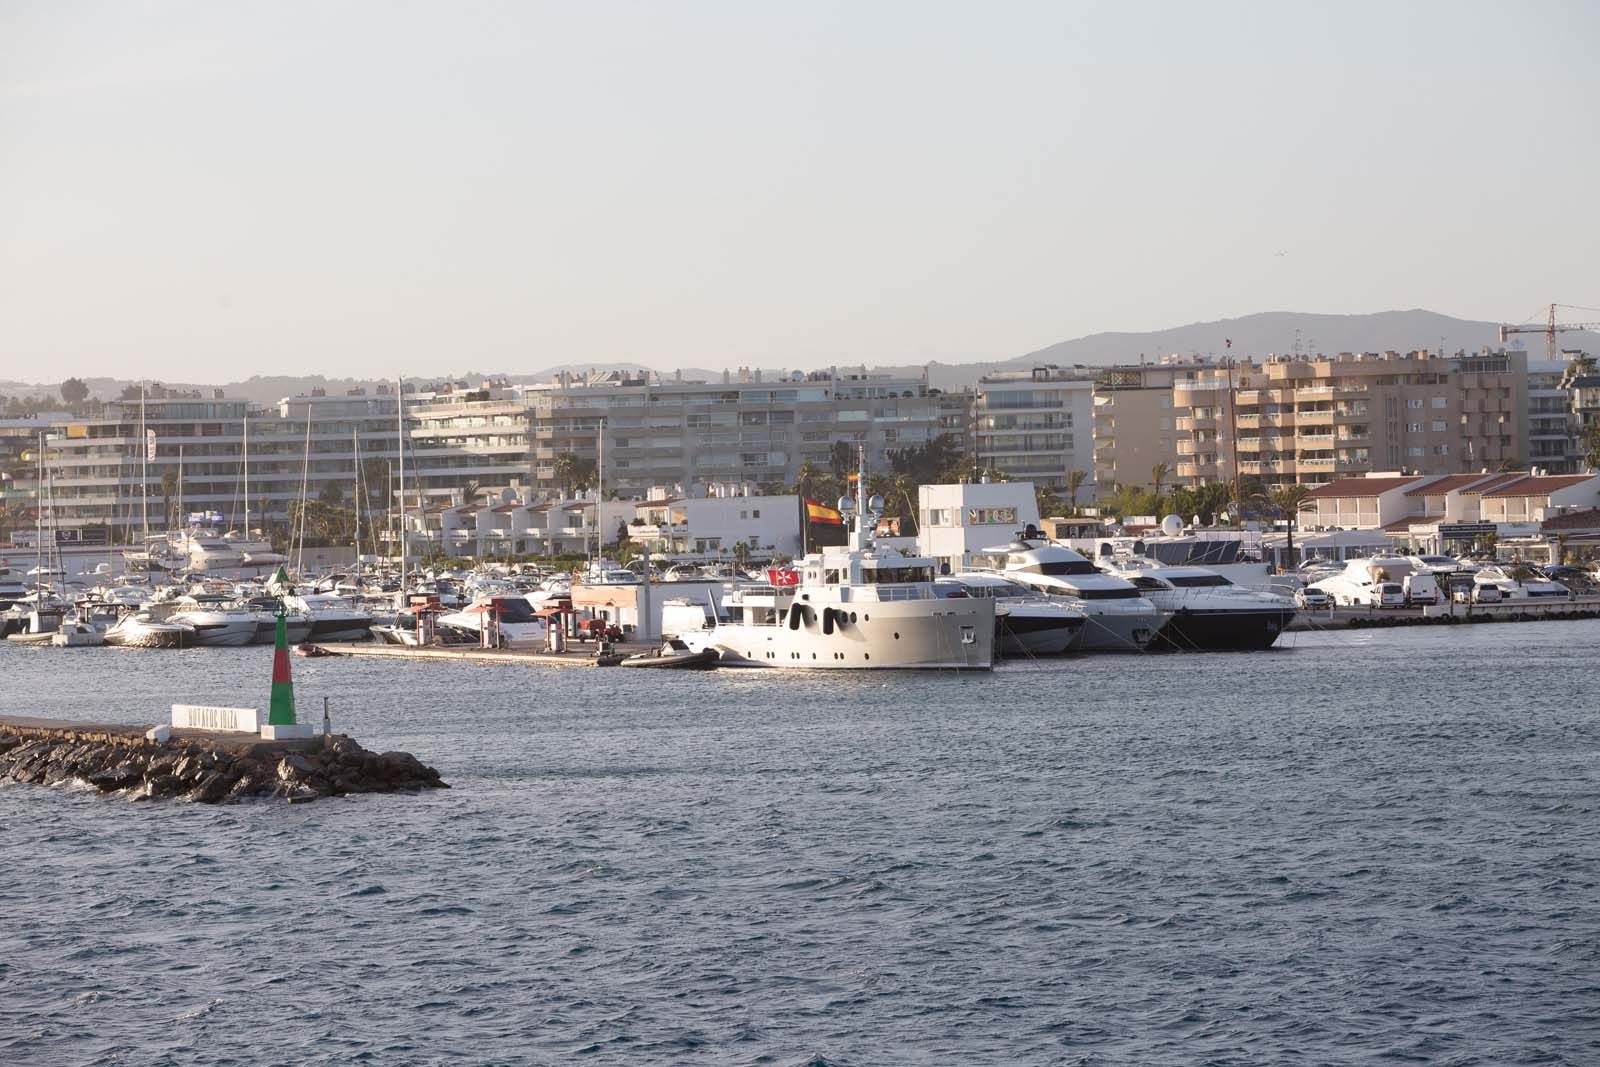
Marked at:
<point>1026,622</point>
<point>1117,617</point>
<point>1532,587</point>
<point>141,630</point>
<point>332,618</point>
<point>510,619</point>
<point>216,625</point>
<point>856,607</point>
<point>1208,612</point>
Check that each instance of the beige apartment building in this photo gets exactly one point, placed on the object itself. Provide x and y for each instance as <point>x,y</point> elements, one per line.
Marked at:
<point>1135,424</point>
<point>1312,420</point>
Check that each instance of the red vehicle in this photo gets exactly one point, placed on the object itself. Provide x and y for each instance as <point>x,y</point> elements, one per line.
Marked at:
<point>598,630</point>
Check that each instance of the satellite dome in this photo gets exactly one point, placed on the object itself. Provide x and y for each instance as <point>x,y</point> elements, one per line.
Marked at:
<point>847,504</point>
<point>1172,526</point>
<point>875,503</point>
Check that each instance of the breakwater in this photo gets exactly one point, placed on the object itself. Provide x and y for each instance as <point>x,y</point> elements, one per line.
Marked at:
<point>203,767</point>
<point>1579,608</point>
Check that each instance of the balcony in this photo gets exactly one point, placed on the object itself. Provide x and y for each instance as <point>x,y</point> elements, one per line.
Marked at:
<point>1197,470</point>
<point>1195,422</point>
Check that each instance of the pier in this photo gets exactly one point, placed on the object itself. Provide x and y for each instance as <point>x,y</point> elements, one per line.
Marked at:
<point>204,766</point>
<point>1587,607</point>
<point>577,658</point>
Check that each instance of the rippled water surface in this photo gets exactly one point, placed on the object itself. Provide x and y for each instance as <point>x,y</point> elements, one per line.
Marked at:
<point>1364,847</point>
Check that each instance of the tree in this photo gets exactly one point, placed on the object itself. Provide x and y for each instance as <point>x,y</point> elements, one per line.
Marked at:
<point>1590,442</point>
<point>169,489</point>
<point>806,479</point>
<point>1075,480</point>
<point>1159,474</point>
<point>841,459</point>
<point>469,492</point>
<point>1045,498</point>
<point>74,391</point>
<point>1288,501</point>
<point>1510,466</point>
<point>330,494</point>
<point>573,473</point>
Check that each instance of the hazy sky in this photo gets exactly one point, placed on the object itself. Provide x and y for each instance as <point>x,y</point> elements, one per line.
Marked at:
<point>206,190</point>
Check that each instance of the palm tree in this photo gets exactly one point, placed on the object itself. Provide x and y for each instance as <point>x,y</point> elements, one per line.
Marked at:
<point>469,492</point>
<point>1075,480</point>
<point>806,478</point>
<point>169,489</point>
<point>1288,501</point>
<point>1158,474</point>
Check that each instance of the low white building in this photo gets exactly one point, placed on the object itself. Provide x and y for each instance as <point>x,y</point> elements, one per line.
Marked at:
<point>705,528</point>
<point>955,521</point>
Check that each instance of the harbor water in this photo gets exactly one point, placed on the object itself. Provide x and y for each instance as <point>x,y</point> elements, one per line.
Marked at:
<point>1364,846</point>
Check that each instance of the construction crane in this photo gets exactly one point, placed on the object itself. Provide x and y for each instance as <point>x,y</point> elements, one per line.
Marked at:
<point>1551,328</point>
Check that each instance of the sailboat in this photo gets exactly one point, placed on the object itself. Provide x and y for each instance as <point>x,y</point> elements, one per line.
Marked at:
<point>252,551</point>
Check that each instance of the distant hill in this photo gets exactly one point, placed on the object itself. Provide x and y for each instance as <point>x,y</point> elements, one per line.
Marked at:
<point>1281,331</point>
<point>1252,336</point>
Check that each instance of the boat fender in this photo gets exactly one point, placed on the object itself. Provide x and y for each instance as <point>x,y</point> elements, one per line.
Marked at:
<point>827,620</point>
<point>795,612</point>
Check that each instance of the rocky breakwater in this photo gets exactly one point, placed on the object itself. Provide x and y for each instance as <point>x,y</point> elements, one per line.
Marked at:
<point>207,768</point>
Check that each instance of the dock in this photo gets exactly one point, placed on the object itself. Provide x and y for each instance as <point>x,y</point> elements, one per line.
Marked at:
<point>1339,618</point>
<point>577,658</point>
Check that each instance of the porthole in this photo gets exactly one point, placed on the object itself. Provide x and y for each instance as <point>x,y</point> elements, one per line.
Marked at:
<point>852,616</point>
<point>865,656</point>
<point>897,635</point>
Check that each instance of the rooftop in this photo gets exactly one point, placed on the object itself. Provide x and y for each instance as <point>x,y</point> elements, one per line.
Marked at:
<point>1448,484</point>
<point>1361,486</point>
<point>1542,486</point>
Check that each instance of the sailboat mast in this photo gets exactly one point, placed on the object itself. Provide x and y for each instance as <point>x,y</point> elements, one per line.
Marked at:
<point>600,488</point>
<point>355,459</point>
<point>247,477</point>
<point>38,527</point>
<point>400,444</point>
<point>144,471</point>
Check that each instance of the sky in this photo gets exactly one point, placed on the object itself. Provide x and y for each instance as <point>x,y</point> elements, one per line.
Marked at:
<point>202,191</point>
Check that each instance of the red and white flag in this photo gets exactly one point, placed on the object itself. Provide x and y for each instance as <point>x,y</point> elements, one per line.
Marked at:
<point>783,576</point>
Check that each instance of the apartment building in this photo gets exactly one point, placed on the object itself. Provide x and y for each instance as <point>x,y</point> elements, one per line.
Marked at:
<point>1313,420</point>
<point>710,527</point>
<point>1135,422</point>
<point>135,464</point>
<point>1037,425</point>
<point>744,428</point>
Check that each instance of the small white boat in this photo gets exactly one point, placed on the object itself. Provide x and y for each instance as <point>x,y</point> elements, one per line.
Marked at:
<point>76,634</point>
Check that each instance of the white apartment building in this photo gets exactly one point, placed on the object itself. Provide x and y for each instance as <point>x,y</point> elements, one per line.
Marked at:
<point>710,527</point>
<point>1037,425</point>
<point>669,431</point>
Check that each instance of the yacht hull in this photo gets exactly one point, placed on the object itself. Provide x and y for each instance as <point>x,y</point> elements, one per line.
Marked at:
<point>1117,631</point>
<point>143,637</point>
<point>340,629</point>
<point>296,629</point>
<point>1029,635</point>
<point>1198,630</point>
<point>218,631</point>
<point>884,635</point>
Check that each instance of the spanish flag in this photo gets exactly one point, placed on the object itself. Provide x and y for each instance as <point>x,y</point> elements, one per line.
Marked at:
<point>815,512</point>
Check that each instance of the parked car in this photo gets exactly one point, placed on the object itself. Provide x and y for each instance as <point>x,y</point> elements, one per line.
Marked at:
<point>1313,598</point>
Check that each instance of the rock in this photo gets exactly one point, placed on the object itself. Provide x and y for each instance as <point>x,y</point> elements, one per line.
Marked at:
<point>294,766</point>
<point>212,787</point>
<point>121,776</point>
<point>158,733</point>
<point>164,785</point>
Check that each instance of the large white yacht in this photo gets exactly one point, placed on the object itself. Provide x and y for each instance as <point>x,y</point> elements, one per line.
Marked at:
<point>1117,617</point>
<point>1208,612</point>
<point>1026,622</point>
<point>856,607</point>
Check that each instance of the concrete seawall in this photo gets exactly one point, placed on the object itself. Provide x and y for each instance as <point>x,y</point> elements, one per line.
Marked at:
<point>196,765</point>
<point>1449,614</point>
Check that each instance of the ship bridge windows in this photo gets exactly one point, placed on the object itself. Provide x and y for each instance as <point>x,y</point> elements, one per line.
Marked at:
<point>896,575</point>
<point>1106,594</point>
<point>1199,581</point>
<point>1056,567</point>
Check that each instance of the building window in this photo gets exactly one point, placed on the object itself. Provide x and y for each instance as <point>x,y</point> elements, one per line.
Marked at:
<point>1440,402</point>
<point>1415,402</point>
<point>1439,425</point>
<point>1413,427</point>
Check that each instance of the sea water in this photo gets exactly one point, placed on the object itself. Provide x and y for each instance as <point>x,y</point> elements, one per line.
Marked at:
<point>1365,846</point>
